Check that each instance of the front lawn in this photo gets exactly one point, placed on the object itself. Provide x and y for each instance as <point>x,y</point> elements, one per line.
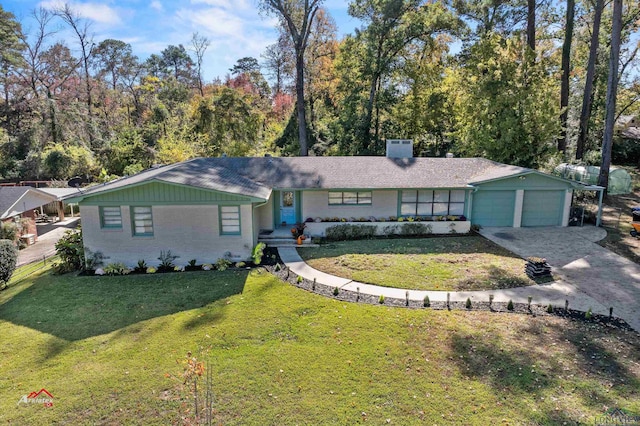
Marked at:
<point>438,263</point>
<point>106,348</point>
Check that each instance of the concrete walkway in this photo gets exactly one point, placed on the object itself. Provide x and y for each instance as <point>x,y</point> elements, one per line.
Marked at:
<point>48,236</point>
<point>557,245</point>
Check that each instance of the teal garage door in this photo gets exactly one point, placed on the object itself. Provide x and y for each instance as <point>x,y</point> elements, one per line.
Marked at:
<point>493,208</point>
<point>542,208</point>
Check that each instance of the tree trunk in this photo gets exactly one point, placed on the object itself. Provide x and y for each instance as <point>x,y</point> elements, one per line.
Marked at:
<point>612,90</point>
<point>587,97</point>
<point>531,24</point>
<point>302,119</point>
<point>366,126</point>
<point>566,68</point>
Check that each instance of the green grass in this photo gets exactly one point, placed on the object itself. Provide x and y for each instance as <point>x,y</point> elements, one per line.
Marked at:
<point>440,263</point>
<point>107,349</point>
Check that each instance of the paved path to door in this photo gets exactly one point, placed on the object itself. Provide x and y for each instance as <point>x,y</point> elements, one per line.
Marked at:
<point>589,276</point>
<point>48,236</point>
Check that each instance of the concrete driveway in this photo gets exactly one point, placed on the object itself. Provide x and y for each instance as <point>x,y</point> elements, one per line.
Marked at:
<point>578,261</point>
<point>48,236</point>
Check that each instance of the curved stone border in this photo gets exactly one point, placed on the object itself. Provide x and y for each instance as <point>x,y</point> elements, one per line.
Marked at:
<point>557,294</point>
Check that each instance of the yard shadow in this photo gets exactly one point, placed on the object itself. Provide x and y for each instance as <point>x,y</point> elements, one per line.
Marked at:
<point>502,368</point>
<point>74,308</point>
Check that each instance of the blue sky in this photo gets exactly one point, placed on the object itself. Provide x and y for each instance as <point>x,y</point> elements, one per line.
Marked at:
<point>235,27</point>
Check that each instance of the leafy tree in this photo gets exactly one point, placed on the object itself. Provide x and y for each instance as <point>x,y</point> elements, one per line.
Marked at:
<point>8,259</point>
<point>64,162</point>
<point>504,104</point>
<point>297,16</point>
<point>115,59</point>
<point>389,27</point>
<point>279,62</point>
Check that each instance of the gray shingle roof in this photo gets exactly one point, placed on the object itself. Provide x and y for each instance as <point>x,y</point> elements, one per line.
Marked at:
<point>256,176</point>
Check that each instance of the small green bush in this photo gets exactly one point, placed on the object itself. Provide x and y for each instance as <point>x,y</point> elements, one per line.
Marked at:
<point>192,262</point>
<point>240,265</point>
<point>550,308</point>
<point>468,303</point>
<point>299,279</point>
<point>350,232</point>
<point>426,302</point>
<point>589,314</point>
<point>116,269</point>
<point>510,305</point>
<point>409,229</point>
<point>257,253</point>
<point>8,231</point>
<point>223,264</point>
<point>336,291</point>
<point>141,267</point>
<point>381,299</point>
<point>166,259</point>
<point>8,259</point>
<point>71,252</point>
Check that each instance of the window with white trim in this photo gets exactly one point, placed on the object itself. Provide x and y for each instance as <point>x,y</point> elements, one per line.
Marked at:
<point>439,202</point>
<point>230,220</point>
<point>350,198</point>
<point>111,217</point>
<point>142,221</point>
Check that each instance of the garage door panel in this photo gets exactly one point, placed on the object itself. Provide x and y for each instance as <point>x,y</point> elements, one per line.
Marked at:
<point>542,208</point>
<point>493,208</point>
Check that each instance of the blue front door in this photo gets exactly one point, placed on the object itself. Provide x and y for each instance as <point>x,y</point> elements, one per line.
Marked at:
<point>287,207</point>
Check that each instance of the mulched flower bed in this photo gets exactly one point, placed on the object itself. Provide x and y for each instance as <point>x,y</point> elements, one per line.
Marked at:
<point>278,269</point>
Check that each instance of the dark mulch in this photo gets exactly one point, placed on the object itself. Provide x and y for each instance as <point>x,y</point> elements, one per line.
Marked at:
<point>282,272</point>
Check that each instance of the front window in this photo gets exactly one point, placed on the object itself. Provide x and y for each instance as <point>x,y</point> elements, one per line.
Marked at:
<point>349,198</point>
<point>142,221</point>
<point>441,202</point>
<point>230,220</point>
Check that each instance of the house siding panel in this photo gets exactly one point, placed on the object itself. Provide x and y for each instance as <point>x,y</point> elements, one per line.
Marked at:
<point>384,203</point>
<point>160,193</point>
<point>190,231</point>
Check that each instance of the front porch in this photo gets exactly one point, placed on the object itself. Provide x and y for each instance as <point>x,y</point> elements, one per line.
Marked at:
<point>281,237</point>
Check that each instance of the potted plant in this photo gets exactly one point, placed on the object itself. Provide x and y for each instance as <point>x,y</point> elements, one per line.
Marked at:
<point>298,230</point>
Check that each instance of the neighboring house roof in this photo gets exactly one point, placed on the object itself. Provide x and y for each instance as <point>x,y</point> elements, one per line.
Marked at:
<point>257,176</point>
<point>59,192</point>
<point>18,199</point>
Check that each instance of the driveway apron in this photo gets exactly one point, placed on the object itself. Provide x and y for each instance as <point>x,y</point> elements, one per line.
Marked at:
<point>578,261</point>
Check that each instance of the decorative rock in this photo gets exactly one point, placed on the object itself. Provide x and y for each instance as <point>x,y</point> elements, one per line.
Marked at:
<point>317,220</point>
<point>99,271</point>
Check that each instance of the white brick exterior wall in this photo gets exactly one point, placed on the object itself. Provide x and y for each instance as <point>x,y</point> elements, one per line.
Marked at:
<point>316,204</point>
<point>188,231</point>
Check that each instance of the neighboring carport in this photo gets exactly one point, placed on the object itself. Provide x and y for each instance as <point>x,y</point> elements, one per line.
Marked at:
<point>18,205</point>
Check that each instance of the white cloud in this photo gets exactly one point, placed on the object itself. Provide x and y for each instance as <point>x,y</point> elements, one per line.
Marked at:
<point>97,12</point>
<point>156,5</point>
<point>225,4</point>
